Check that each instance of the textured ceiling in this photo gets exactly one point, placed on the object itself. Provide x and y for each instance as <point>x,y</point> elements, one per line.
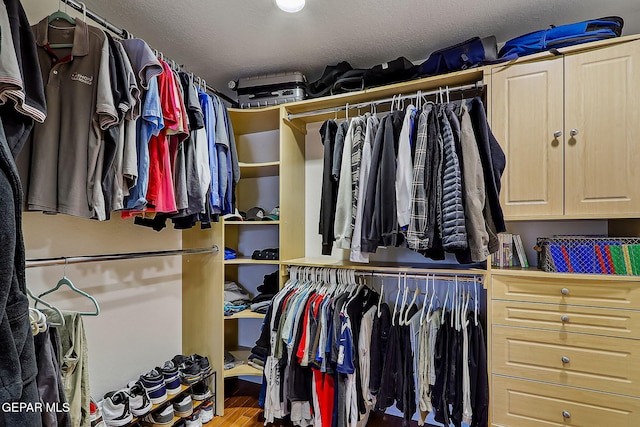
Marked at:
<point>222,40</point>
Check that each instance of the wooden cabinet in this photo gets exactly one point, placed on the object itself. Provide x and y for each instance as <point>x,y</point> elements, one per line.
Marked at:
<point>569,128</point>
<point>564,349</point>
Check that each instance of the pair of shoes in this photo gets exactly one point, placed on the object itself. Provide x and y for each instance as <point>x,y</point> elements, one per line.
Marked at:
<point>194,420</point>
<point>160,418</point>
<point>206,412</point>
<point>123,405</point>
<point>192,368</point>
<point>201,391</point>
<point>95,414</point>
<point>184,407</point>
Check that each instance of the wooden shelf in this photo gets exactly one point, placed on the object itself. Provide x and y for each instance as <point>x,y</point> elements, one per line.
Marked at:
<point>252,223</point>
<point>242,353</point>
<point>253,120</point>
<point>535,272</point>
<point>258,170</point>
<point>245,314</point>
<point>248,260</point>
<point>381,267</point>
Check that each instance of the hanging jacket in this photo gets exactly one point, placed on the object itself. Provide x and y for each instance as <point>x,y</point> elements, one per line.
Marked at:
<point>493,161</point>
<point>454,234</point>
<point>404,170</point>
<point>416,234</point>
<point>329,188</point>
<point>384,218</point>
<point>344,204</point>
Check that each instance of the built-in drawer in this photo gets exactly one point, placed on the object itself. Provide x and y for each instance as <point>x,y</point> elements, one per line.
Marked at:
<point>590,361</point>
<point>570,318</point>
<point>521,403</point>
<point>596,293</point>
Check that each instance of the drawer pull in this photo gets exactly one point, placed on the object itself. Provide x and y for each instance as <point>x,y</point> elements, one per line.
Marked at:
<point>565,291</point>
<point>564,319</point>
<point>566,414</point>
<point>565,359</point>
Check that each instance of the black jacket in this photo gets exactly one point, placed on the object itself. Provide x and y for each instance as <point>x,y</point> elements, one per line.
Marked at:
<point>17,357</point>
<point>329,188</point>
<point>493,161</point>
<point>380,218</point>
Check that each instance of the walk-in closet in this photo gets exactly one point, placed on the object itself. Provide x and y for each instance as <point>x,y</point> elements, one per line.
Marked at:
<point>319,213</point>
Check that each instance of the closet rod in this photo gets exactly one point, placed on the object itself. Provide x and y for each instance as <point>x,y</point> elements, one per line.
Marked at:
<point>466,277</point>
<point>122,33</point>
<point>45,262</point>
<point>290,116</point>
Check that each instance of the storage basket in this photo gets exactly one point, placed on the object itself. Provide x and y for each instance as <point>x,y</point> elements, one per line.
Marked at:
<point>589,254</point>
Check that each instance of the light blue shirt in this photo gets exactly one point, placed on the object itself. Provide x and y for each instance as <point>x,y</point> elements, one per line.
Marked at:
<point>150,123</point>
<point>210,125</point>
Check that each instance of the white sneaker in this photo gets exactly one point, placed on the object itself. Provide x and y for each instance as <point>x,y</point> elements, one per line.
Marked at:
<point>115,410</point>
<point>139,402</point>
<point>194,420</point>
<point>206,412</point>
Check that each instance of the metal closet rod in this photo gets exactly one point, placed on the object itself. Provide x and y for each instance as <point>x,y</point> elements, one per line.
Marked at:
<point>462,277</point>
<point>290,116</point>
<point>45,262</point>
<point>125,34</point>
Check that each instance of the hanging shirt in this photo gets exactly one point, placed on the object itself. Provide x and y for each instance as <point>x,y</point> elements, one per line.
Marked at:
<point>225,175</point>
<point>150,123</point>
<point>143,60</point>
<point>67,150</point>
<point>404,170</point>
<point>210,126</point>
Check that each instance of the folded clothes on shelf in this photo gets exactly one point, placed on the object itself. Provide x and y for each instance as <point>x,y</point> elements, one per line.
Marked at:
<point>261,307</point>
<point>235,294</point>
<point>230,253</point>
<point>271,254</point>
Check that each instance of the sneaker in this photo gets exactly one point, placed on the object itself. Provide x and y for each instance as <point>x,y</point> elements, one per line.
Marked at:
<point>115,409</point>
<point>206,412</point>
<point>153,383</point>
<point>203,362</point>
<point>179,359</point>
<point>139,402</point>
<point>160,418</point>
<point>201,391</point>
<point>193,420</point>
<point>171,377</point>
<point>184,407</point>
<point>190,372</point>
<point>95,414</point>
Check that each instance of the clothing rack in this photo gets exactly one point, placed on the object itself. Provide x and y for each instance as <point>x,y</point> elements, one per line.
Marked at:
<point>45,262</point>
<point>121,32</point>
<point>462,276</point>
<point>476,86</point>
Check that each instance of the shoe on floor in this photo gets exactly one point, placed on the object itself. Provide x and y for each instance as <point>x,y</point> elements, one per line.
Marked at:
<point>201,391</point>
<point>139,402</point>
<point>206,412</point>
<point>153,383</point>
<point>160,418</point>
<point>95,414</point>
<point>183,407</point>
<point>115,409</point>
<point>171,377</point>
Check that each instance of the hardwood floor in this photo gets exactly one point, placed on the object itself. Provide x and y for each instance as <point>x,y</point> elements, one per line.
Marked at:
<point>242,410</point>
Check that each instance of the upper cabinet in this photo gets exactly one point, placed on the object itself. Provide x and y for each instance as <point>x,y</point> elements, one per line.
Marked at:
<point>570,128</point>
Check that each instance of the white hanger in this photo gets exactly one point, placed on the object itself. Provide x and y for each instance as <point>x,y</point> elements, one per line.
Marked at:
<point>395,305</point>
<point>405,292</point>
<point>346,112</point>
<point>413,300</point>
<point>444,305</point>
<point>448,101</point>
<point>426,296</point>
<point>475,302</point>
<point>433,295</point>
<point>381,296</point>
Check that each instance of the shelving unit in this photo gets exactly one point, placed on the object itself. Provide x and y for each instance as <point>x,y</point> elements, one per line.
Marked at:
<point>244,369</point>
<point>245,314</point>
<point>248,260</point>
<point>258,170</point>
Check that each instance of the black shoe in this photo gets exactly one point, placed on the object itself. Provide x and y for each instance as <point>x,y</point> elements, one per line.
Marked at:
<point>203,363</point>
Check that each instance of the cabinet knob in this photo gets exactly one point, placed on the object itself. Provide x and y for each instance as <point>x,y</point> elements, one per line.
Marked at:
<point>566,414</point>
<point>557,134</point>
<point>565,291</point>
<point>564,319</point>
<point>565,359</point>
<point>573,132</point>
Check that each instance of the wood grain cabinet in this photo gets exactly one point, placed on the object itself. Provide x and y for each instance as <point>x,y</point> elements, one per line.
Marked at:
<point>570,130</point>
<point>564,350</point>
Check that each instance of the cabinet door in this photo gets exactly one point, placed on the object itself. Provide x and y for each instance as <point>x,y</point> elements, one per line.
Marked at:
<point>602,104</point>
<point>526,110</point>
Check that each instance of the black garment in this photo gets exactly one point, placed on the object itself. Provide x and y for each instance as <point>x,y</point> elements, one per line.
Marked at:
<point>492,158</point>
<point>478,374</point>
<point>17,358</point>
<point>380,217</point>
<point>18,126</point>
<point>263,344</point>
<point>49,379</point>
<point>329,188</point>
<point>122,101</point>
<point>379,341</point>
<point>338,148</point>
<point>441,364</point>
<point>300,377</point>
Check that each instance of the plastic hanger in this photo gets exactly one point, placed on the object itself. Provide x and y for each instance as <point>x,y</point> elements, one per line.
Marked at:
<point>444,305</point>
<point>426,296</point>
<point>381,297</point>
<point>84,12</point>
<point>49,306</point>
<point>433,295</point>
<point>405,292</point>
<point>59,14</point>
<point>448,100</point>
<point>413,301</point>
<point>69,283</point>
<point>395,305</point>
<point>475,302</point>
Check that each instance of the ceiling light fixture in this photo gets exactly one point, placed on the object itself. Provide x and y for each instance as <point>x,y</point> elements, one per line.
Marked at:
<point>291,6</point>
